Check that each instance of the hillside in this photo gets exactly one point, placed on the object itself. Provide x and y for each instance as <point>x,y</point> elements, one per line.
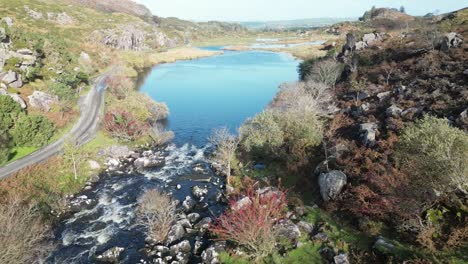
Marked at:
<point>371,145</point>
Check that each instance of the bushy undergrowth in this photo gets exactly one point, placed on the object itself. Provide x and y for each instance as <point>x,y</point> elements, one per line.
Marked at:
<point>251,224</point>
<point>124,126</point>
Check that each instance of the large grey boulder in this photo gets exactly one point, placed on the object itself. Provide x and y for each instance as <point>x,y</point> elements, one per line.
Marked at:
<point>42,101</point>
<point>331,184</point>
<point>176,233</point>
<point>451,40</point>
<point>371,38</point>
<point>368,133</point>
<point>10,77</point>
<point>18,83</point>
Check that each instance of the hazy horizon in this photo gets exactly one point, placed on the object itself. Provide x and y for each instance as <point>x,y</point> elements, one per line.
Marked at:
<point>264,10</point>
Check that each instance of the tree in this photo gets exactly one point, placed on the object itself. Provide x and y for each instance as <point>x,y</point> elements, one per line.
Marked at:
<point>73,154</point>
<point>157,213</point>
<point>32,131</point>
<point>226,145</point>
<point>402,9</point>
<point>326,71</point>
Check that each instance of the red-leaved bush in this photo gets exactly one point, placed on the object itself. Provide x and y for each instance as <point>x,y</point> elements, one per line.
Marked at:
<point>124,126</point>
<point>251,218</point>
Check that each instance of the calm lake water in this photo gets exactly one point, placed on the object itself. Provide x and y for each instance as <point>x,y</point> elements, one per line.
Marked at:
<point>212,92</point>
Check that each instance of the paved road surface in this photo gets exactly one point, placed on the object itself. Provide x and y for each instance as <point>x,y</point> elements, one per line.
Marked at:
<point>82,131</point>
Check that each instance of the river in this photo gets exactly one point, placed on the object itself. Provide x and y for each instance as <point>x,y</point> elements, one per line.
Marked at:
<point>202,94</point>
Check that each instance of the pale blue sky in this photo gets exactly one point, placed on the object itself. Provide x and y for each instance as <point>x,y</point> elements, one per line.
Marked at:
<point>242,10</point>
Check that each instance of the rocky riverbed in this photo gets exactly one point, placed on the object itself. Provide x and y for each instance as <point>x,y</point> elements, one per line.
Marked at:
<point>103,228</point>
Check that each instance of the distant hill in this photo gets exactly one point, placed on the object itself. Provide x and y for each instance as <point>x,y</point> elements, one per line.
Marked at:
<point>291,24</point>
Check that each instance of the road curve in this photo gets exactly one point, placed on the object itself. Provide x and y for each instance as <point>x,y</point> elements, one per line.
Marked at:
<point>82,131</point>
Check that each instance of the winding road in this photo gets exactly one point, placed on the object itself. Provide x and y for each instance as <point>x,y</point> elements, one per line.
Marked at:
<point>83,131</point>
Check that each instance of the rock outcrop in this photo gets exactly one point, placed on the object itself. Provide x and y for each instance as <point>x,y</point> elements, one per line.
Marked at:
<point>124,37</point>
<point>121,6</point>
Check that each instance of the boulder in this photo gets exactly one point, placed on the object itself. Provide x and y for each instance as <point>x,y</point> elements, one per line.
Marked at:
<point>116,151</point>
<point>463,118</point>
<point>94,165</point>
<point>341,259</point>
<point>368,133</point>
<point>188,204</point>
<point>193,217</point>
<point>18,99</point>
<point>360,45</point>
<point>371,38</point>
<point>176,233</point>
<point>10,77</point>
<point>182,247</point>
<point>42,100</point>
<point>241,203</point>
<point>451,40</point>
<point>18,83</point>
<point>198,191</point>
<point>331,184</point>
<point>210,256</point>
<point>8,21</point>
<point>3,91</point>
<point>287,230</point>
<point>383,246</point>
<point>147,162</point>
<point>305,227</point>
<point>393,111</point>
<point>203,224</point>
<point>110,256</point>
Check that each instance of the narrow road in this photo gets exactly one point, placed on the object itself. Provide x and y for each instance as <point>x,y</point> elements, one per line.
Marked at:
<point>82,131</point>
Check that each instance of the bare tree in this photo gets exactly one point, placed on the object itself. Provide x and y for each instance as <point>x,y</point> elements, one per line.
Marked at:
<point>157,213</point>
<point>73,154</point>
<point>327,72</point>
<point>226,145</point>
<point>23,234</point>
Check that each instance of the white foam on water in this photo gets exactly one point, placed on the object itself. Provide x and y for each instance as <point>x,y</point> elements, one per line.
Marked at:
<point>178,161</point>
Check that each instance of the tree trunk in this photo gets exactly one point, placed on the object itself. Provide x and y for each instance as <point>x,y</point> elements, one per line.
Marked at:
<point>228,173</point>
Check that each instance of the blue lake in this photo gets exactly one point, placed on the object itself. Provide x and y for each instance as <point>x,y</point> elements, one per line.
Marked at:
<point>224,90</point>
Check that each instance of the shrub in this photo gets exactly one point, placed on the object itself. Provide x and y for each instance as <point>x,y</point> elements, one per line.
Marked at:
<point>63,91</point>
<point>252,225</point>
<point>9,110</point>
<point>305,68</point>
<point>157,212</point>
<point>4,150</point>
<point>32,131</point>
<point>23,235</point>
<point>301,131</point>
<point>307,96</point>
<point>434,155</point>
<point>122,125</point>
<point>326,71</point>
<point>262,135</point>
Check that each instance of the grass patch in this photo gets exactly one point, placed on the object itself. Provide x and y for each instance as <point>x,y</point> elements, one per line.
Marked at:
<point>19,152</point>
